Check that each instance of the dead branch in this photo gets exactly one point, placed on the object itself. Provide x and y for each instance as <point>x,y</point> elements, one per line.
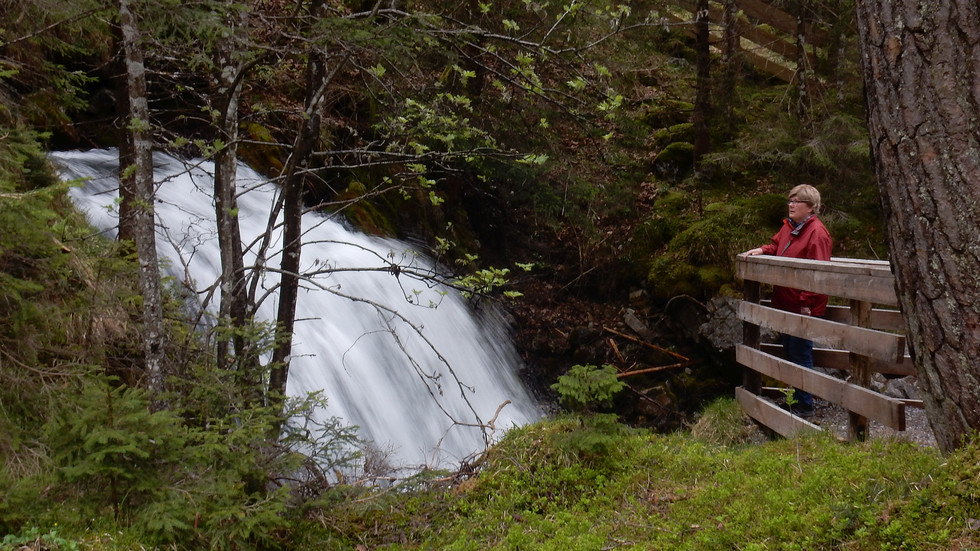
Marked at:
<point>656,369</point>
<point>647,344</point>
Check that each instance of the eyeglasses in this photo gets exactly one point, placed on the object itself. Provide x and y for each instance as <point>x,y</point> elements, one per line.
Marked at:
<point>794,201</point>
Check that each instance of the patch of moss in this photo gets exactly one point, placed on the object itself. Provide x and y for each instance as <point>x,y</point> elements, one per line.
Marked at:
<point>363,214</point>
<point>719,208</point>
<point>683,132</point>
<point>766,210</point>
<point>260,150</point>
<point>713,277</point>
<point>697,251</point>
<point>676,159</point>
<point>670,276</point>
<point>673,202</point>
<point>667,219</point>
<point>666,112</point>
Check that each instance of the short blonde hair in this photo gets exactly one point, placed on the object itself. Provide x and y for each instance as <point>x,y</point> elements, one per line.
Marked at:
<point>808,194</point>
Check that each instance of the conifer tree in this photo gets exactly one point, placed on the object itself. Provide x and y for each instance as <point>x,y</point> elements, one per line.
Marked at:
<point>923,91</point>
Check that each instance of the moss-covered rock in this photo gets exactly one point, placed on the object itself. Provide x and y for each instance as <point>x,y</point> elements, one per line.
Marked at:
<point>259,149</point>
<point>675,160</point>
<point>362,213</point>
<point>670,276</point>
<point>683,132</point>
<point>673,202</point>
<point>666,220</point>
<point>665,112</point>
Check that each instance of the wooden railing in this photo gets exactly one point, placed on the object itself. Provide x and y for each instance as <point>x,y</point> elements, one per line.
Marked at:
<point>861,333</point>
<point>768,35</point>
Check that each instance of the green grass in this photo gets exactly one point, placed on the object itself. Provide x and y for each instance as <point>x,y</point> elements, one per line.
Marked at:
<point>708,488</point>
<point>716,486</point>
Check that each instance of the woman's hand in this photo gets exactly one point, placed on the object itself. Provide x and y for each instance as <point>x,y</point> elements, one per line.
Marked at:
<point>753,252</point>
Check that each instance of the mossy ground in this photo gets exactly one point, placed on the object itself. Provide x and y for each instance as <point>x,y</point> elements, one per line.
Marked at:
<point>705,488</point>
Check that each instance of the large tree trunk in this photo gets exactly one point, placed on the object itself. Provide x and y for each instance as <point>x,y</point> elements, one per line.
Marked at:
<point>922,73</point>
<point>136,178</point>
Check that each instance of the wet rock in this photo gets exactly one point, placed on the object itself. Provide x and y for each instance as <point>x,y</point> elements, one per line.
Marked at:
<point>722,329</point>
<point>903,388</point>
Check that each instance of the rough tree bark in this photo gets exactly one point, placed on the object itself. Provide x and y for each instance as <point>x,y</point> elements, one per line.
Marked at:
<point>234,307</point>
<point>136,191</point>
<point>318,79</point>
<point>921,63</point>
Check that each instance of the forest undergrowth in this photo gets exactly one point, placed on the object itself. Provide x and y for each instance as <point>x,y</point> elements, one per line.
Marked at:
<point>563,484</point>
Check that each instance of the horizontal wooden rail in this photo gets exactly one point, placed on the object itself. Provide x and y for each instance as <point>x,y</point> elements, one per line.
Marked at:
<point>881,319</point>
<point>860,340</point>
<point>841,359</point>
<point>868,403</point>
<point>781,20</point>
<point>864,281</point>
<point>769,414</point>
<point>784,45</point>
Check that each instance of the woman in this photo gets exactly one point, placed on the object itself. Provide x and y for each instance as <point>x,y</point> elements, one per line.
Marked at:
<point>801,236</point>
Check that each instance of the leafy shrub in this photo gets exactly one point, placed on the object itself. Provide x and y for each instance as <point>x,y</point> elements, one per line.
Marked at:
<point>33,538</point>
<point>585,387</point>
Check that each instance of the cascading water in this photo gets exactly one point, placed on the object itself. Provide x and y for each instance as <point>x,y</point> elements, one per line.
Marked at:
<point>399,392</point>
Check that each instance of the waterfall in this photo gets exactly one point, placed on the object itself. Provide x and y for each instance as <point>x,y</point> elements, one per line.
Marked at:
<point>399,392</point>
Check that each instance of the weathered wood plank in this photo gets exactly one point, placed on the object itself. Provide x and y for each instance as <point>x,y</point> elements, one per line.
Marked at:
<point>767,65</point>
<point>782,422</point>
<point>840,359</point>
<point>784,45</point>
<point>888,411</point>
<point>781,20</point>
<point>866,282</point>
<point>881,319</point>
<point>860,340</point>
<point>776,392</point>
<point>857,266</point>
<point>862,261</point>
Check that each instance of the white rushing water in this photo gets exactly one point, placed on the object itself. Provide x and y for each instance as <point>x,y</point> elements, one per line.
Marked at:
<point>342,347</point>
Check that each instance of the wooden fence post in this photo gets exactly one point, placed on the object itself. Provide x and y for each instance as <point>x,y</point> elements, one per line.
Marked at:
<point>751,379</point>
<point>857,425</point>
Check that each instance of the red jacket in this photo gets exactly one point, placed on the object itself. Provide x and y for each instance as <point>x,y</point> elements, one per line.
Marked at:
<point>810,241</point>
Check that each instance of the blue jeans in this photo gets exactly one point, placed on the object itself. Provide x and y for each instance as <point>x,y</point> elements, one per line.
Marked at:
<point>800,352</point>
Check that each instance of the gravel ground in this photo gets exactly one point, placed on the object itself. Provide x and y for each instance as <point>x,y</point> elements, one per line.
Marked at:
<point>832,417</point>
